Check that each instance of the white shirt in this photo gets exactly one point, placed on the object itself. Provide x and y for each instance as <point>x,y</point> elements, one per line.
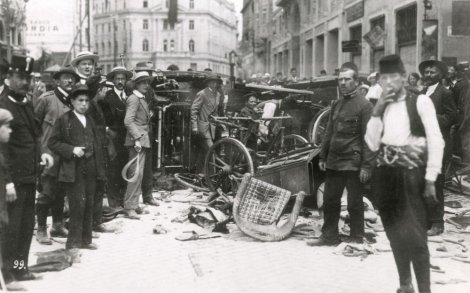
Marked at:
<point>374,92</point>
<point>431,89</point>
<point>80,117</point>
<point>395,130</point>
<point>2,87</point>
<point>119,93</point>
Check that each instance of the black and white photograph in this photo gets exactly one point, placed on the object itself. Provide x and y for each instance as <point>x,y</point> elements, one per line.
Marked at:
<point>219,146</point>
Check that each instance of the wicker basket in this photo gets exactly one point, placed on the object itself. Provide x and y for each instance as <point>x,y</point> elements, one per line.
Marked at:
<point>258,207</point>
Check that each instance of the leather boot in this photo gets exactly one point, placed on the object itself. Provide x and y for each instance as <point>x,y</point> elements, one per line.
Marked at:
<point>436,229</point>
<point>41,236</point>
<point>58,230</point>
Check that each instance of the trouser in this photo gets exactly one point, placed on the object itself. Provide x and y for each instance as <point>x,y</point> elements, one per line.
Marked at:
<point>203,143</point>
<point>19,232</point>
<point>134,189</point>
<point>51,197</point>
<point>147,177</point>
<point>80,194</point>
<point>116,184</point>
<point>335,181</point>
<point>98,202</point>
<point>399,193</point>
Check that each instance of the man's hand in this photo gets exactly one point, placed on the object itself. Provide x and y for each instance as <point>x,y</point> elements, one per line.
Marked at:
<point>430,193</point>
<point>11,193</point>
<point>194,132</point>
<point>386,98</point>
<point>364,175</point>
<point>322,165</point>
<point>78,152</point>
<point>47,161</point>
<point>137,146</point>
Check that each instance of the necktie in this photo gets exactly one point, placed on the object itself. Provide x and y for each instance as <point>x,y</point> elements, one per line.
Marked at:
<point>122,96</point>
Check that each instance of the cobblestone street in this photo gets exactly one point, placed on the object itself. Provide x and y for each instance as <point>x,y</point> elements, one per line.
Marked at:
<point>136,260</point>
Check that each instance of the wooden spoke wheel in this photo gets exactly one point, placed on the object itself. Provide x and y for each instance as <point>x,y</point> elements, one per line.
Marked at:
<point>317,127</point>
<point>226,163</point>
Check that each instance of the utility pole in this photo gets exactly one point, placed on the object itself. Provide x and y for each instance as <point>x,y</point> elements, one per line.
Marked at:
<point>80,27</point>
<point>88,30</point>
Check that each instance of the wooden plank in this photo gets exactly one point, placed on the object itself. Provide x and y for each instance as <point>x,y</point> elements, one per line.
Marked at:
<point>277,89</point>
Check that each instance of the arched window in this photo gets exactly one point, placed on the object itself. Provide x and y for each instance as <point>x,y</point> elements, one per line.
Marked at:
<point>191,46</point>
<point>172,45</point>
<point>145,45</point>
<point>165,45</point>
<point>2,31</point>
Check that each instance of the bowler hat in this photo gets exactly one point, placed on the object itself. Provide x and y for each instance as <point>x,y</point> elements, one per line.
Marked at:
<point>391,64</point>
<point>119,69</point>
<point>141,76</point>
<point>83,56</point>
<point>21,64</point>
<point>144,66</point>
<point>79,89</point>
<point>66,69</point>
<point>440,65</point>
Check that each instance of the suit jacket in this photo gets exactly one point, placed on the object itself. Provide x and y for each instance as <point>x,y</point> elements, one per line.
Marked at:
<point>23,150</point>
<point>61,143</point>
<point>446,108</point>
<point>114,110</point>
<point>49,107</point>
<point>459,90</point>
<point>137,121</point>
<point>207,103</point>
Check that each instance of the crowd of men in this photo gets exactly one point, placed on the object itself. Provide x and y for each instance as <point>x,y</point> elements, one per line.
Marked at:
<point>76,139</point>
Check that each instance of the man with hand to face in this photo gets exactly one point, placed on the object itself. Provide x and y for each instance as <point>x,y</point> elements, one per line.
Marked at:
<point>23,161</point>
<point>405,132</point>
<point>49,107</point>
<point>447,115</point>
<point>346,159</point>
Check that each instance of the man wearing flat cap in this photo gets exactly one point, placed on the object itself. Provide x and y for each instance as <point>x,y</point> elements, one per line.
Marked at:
<point>114,109</point>
<point>24,158</point>
<point>433,72</point>
<point>405,132</point>
<point>49,107</point>
<point>84,64</point>
<point>346,159</point>
<point>207,102</point>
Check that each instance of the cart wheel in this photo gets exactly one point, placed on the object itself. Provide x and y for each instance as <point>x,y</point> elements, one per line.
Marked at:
<point>318,126</point>
<point>193,181</point>
<point>293,142</point>
<point>226,163</point>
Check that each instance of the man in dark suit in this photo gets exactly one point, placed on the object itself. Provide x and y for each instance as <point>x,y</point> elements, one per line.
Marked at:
<point>23,161</point>
<point>114,109</point>
<point>433,71</point>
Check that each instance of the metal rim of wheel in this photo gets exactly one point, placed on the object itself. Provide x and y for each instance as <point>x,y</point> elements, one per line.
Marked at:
<point>318,128</point>
<point>191,180</point>
<point>226,162</point>
<point>299,141</point>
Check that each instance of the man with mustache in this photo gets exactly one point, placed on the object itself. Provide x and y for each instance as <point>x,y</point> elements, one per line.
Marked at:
<point>346,159</point>
<point>114,109</point>
<point>23,161</point>
<point>446,109</point>
<point>49,107</point>
<point>84,65</point>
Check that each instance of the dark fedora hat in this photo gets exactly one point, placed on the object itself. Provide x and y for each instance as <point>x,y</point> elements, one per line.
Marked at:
<point>144,66</point>
<point>66,69</point>
<point>213,78</point>
<point>391,64</point>
<point>440,65</point>
<point>79,89</point>
<point>119,69</point>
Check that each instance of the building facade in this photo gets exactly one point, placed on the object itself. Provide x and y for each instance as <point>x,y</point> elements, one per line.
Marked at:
<point>128,32</point>
<point>16,35</point>
<point>315,35</point>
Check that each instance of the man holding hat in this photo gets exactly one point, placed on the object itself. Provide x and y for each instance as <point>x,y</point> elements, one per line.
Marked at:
<point>207,102</point>
<point>24,159</point>
<point>49,107</point>
<point>404,130</point>
<point>137,123</point>
<point>114,109</point>
<point>84,64</point>
<point>433,71</point>
<point>375,90</point>
<point>346,159</point>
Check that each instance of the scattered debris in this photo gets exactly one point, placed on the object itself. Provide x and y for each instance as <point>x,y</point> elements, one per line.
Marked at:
<point>442,248</point>
<point>193,235</point>
<point>159,229</point>
<point>196,266</point>
<point>53,261</point>
<point>453,204</point>
<point>449,281</point>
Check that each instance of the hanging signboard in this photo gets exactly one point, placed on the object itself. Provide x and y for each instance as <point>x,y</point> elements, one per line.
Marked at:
<point>375,37</point>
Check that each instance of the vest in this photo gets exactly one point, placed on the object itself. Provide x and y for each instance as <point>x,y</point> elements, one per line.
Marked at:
<point>82,136</point>
<point>416,125</point>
